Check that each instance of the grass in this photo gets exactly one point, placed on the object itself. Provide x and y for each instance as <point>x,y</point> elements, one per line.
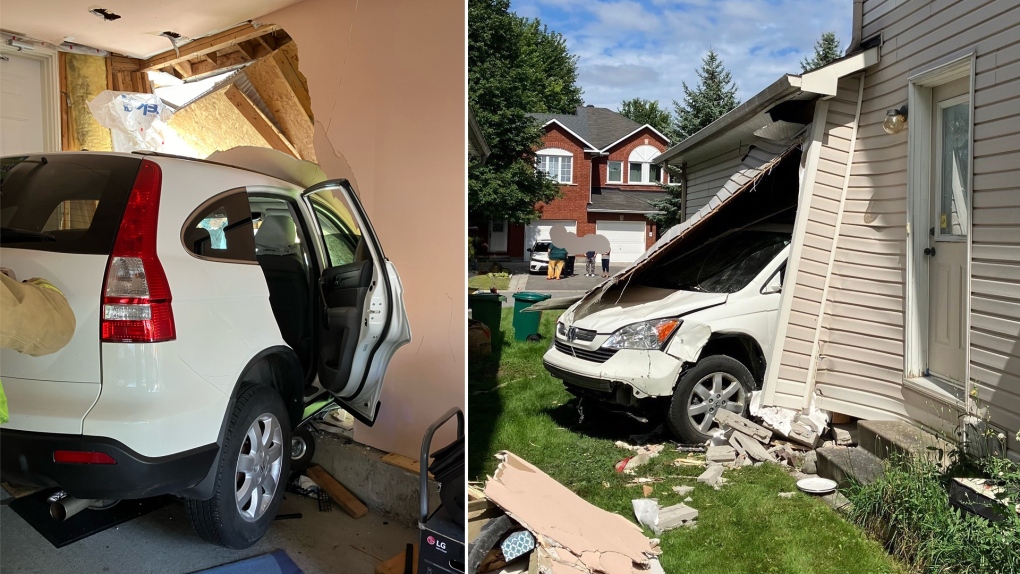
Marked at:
<point>742,528</point>
<point>486,281</point>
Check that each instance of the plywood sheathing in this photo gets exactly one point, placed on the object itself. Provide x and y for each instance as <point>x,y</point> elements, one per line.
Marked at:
<point>213,123</point>
<point>290,104</point>
<point>84,78</point>
<point>124,75</point>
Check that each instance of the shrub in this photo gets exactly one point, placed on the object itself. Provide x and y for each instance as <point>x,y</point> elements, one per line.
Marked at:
<point>908,510</point>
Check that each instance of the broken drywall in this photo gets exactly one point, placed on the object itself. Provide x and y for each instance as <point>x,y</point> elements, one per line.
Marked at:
<point>572,530</point>
<point>386,81</point>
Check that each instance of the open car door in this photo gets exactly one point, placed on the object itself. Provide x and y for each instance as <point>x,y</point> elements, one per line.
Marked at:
<point>362,320</point>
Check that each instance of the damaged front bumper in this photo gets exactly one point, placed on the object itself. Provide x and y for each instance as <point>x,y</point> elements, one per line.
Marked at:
<point>626,375</point>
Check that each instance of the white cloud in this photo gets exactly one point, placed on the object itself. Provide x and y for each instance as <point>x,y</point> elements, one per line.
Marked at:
<point>647,49</point>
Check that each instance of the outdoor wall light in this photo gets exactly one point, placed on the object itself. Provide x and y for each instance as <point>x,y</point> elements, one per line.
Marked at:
<point>895,120</point>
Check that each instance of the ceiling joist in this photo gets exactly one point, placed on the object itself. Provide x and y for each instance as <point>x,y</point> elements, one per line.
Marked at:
<point>209,45</point>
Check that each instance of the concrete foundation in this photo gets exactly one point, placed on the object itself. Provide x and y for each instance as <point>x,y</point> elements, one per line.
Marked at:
<point>383,488</point>
<point>848,464</point>
<point>897,438</point>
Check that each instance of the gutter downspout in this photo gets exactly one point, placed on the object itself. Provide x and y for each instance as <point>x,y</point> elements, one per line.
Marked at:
<point>858,25</point>
<point>683,191</point>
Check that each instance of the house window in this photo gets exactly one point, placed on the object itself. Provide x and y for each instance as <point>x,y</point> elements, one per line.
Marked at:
<point>615,172</point>
<point>642,171</point>
<point>558,164</point>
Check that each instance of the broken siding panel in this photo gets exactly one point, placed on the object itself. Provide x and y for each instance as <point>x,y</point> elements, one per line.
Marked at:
<point>704,180</point>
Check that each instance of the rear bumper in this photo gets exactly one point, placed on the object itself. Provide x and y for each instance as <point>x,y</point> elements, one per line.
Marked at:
<point>27,458</point>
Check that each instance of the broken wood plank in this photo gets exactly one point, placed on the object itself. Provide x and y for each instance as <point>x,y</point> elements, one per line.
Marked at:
<point>404,462</point>
<point>753,448</point>
<point>396,564</point>
<point>347,501</point>
<point>738,423</point>
<point>474,493</point>
<point>260,122</point>
<point>207,45</point>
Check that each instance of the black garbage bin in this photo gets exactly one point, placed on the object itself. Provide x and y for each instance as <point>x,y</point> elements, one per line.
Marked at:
<point>568,267</point>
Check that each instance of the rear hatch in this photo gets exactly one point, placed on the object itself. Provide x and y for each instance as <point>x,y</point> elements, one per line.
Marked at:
<point>59,215</point>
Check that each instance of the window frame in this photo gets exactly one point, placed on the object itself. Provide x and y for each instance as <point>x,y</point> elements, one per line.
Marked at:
<point>561,154</point>
<point>642,155</point>
<point>608,171</point>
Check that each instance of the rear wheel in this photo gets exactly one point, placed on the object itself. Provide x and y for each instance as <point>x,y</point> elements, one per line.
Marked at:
<point>715,382</point>
<point>252,464</point>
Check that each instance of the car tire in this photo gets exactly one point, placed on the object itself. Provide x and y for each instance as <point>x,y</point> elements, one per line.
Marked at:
<point>302,448</point>
<point>707,386</point>
<point>257,427</point>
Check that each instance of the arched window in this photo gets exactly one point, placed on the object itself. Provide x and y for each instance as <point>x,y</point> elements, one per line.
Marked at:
<point>557,163</point>
<point>640,166</point>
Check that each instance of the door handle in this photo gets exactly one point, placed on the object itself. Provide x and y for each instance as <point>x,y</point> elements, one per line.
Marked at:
<point>930,251</point>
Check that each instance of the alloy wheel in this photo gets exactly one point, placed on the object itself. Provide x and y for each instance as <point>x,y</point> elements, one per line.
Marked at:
<point>259,466</point>
<point>715,391</point>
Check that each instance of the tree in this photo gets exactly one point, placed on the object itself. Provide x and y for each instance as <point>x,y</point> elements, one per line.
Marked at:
<point>515,66</point>
<point>826,51</point>
<point>715,94</point>
<point>647,112</point>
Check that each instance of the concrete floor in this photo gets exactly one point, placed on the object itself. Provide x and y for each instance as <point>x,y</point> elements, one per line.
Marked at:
<point>164,542</point>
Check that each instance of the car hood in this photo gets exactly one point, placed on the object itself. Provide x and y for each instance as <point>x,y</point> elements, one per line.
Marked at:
<point>540,256</point>
<point>639,303</point>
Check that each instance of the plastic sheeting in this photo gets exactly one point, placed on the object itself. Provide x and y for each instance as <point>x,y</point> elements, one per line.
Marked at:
<point>137,121</point>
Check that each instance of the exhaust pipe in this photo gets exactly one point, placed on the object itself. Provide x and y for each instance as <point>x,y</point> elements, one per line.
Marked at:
<point>68,506</point>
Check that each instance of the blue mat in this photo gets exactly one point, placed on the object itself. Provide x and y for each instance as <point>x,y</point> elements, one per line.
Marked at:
<point>275,563</point>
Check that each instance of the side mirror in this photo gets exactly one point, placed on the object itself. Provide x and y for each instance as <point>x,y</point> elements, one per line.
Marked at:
<point>772,288</point>
<point>529,250</point>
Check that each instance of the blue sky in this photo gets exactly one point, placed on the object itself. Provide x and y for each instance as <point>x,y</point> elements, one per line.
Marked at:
<point>647,48</point>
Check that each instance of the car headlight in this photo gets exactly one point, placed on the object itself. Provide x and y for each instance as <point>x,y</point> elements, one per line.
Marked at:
<point>646,335</point>
<point>561,329</point>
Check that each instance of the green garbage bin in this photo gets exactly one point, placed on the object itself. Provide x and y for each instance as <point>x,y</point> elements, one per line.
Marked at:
<point>526,323</point>
<point>487,308</point>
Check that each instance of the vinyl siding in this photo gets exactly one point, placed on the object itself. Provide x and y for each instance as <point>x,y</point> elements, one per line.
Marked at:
<point>705,179</point>
<point>797,349</point>
<point>860,370</point>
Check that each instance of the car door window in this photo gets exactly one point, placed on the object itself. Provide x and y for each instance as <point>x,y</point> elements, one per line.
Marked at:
<point>341,233</point>
<point>222,229</point>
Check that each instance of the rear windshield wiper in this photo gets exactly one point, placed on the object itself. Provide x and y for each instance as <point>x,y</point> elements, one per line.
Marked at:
<point>19,235</point>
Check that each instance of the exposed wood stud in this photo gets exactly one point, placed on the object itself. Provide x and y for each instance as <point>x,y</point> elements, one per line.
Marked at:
<point>184,67</point>
<point>109,73</point>
<point>248,49</point>
<point>267,40</point>
<point>65,127</point>
<point>260,122</point>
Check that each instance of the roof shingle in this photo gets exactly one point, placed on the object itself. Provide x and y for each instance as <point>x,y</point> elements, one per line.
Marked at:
<point>597,126</point>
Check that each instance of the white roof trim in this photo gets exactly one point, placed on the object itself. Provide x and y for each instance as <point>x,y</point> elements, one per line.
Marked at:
<point>634,132</point>
<point>825,79</point>
<point>571,132</point>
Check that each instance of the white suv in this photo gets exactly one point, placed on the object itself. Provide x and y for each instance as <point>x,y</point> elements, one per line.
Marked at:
<point>692,332</point>
<point>218,307</point>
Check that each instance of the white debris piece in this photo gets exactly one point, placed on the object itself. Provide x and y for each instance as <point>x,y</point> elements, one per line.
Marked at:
<point>659,519</point>
<point>842,436</point>
<point>682,490</point>
<point>724,453</point>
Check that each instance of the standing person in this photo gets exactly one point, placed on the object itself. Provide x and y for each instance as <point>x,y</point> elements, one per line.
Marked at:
<point>605,263</point>
<point>35,319</point>
<point>589,264</point>
<point>557,256</point>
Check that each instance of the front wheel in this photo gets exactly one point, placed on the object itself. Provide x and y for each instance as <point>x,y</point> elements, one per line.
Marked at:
<point>251,471</point>
<point>715,382</point>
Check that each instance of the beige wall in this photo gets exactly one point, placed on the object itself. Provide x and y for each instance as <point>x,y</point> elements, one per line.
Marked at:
<point>387,83</point>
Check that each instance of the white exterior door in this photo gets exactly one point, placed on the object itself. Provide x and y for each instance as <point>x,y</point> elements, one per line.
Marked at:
<point>626,239</point>
<point>497,236</point>
<point>539,231</point>
<point>21,105</point>
<point>950,221</point>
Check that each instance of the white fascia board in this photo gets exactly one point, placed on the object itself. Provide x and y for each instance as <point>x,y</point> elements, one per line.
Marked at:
<point>608,147</point>
<point>824,80</point>
<point>591,148</point>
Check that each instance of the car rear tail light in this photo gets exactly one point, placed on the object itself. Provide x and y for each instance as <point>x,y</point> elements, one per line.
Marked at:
<point>136,294</point>
<point>82,457</point>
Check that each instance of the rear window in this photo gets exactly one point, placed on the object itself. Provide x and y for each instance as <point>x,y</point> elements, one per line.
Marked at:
<point>69,203</point>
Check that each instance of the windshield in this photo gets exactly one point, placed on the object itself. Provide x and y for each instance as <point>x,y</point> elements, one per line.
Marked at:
<point>69,203</point>
<point>726,265</point>
<point>540,248</point>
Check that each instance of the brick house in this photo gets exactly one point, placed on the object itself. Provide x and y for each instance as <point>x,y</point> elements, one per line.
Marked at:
<point>608,183</point>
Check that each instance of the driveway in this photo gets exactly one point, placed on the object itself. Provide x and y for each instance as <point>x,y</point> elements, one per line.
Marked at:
<point>576,282</point>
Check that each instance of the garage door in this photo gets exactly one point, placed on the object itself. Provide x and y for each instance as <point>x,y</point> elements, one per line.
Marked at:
<point>539,231</point>
<point>626,239</point>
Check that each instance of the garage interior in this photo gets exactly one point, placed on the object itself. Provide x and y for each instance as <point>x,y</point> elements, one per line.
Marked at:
<point>237,77</point>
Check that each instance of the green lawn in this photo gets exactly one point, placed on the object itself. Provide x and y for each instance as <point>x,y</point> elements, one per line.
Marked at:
<point>742,528</point>
<point>485,282</point>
